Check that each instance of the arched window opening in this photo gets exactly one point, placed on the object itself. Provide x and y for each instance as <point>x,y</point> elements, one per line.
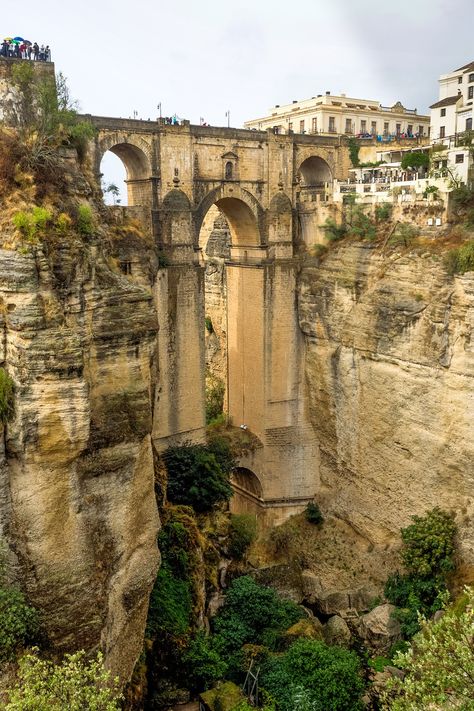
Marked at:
<point>315,172</point>
<point>229,170</point>
<point>113,175</point>
<point>136,166</point>
<point>246,482</point>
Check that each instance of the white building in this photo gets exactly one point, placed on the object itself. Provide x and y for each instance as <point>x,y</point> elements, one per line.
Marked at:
<point>451,117</point>
<point>343,115</point>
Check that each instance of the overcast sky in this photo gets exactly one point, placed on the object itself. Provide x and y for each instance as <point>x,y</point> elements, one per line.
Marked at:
<point>200,58</point>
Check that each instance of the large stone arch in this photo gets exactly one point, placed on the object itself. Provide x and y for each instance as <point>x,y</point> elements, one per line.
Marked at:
<point>315,171</point>
<point>136,156</point>
<point>242,211</point>
<point>248,492</point>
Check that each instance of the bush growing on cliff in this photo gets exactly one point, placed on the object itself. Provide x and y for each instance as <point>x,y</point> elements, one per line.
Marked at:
<point>428,557</point>
<point>333,231</point>
<point>439,663</point>
<point>203,664</point>
<point>198,476</point>
<point>243,529</point>
<point>252,614</point>
<point>314,676</point>
<point>215,390</point>
<point>7,401</point>
<point>76,684</point>
<point>18,621</point>
<point>461,259</point>
<point>313,514</point>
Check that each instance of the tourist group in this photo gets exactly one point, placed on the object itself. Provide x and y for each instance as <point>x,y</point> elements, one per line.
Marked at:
<point>20,48</point>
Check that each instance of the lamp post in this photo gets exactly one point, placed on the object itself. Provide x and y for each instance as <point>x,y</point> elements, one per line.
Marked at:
<point>159,108</point>
<point>227,113</point>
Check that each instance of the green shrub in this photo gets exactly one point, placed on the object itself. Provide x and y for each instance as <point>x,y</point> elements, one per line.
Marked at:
<point>333,231</point>
<point>63,223</point>
<point>76,684</point>
<point>19,621</point>
<point>215,391</point>
<point>85,220</point>
<point>196,477</point>
<point>404,234</point>
<point>354,149</point>
<point>428,544</point>
<point>243,529</point>
<point>383,211</point>
<point>169,612</point>
<point>315,676</point>
<point>361,225</point>
<point>208,324</point>
<point>438,665</point>
<point>428,556</point>
<point>461,259</point>
<point>7,399</point>
<point>431,190</point>
<point>415,160</point>
<point>24,223</point>
<point>313,514</point>
<point>203,664</point>
<point>252,614</point>
<point>462,196</point>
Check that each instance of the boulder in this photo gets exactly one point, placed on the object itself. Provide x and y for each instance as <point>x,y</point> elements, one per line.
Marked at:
<point>330,600</point>
<point>336,631</point>
<point>379,629</point>
<point>285,579</point>
<point>309,628</point>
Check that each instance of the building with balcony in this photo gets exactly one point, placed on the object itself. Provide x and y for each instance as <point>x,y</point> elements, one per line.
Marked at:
<point>451,122</point>
<point>342,115</point>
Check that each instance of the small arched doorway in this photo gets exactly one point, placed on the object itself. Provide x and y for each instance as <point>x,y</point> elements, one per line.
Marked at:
<point>248,492</point>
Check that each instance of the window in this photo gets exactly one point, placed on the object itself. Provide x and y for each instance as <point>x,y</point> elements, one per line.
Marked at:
<point>314,125</point>
<point>398,129</point>
<point>442,112</point>
<point>471,78</point>
<point>459,80</point>
<point>410,129</point>
<point>276,130</point>
<point>470,92</point>
<point>459,157</point>
<point>373,128</point>
<point>229,170</point>
<point>125,267</point>
<point>420,130</point>
<point>348,126</point>
<point>363,126</point>
<point>302,126</point>
<point>332,124</point>
<point>290,127</point>
<point>469,124</point>
<point>385,128</point>
<point>442,131</point>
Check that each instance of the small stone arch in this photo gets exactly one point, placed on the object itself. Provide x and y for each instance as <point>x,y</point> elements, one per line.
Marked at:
<point>246,482</point>
<point>315,172</point>
<point>243,213</point>
<point>280,224</point>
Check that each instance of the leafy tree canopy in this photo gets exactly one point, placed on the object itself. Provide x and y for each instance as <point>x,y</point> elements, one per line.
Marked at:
<point>76,684</point>
<point>439,664</point>
<point>314,676</point>
<point>415,160</point>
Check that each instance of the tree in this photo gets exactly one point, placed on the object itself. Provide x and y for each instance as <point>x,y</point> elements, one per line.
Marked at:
<point>439,664</point>
<point>415,160</point>
<point>428,556</point>
<point>76,684</point>
<point>203,663</point>
<point>311,675</point>
<point>196,477</point>
<point>113,190</point>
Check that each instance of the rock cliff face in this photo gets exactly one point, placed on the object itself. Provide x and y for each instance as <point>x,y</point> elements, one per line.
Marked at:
<point>390,374</point>
<point>77,503</point>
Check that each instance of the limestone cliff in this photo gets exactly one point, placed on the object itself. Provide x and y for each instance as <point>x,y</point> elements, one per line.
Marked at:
<point>77,505</point>
<point>390,375</point>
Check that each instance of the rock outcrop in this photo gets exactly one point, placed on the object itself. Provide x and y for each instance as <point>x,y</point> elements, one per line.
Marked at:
<point>390,375</point>
<point>77,505</point>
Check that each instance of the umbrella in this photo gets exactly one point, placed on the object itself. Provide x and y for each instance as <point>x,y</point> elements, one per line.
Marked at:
<point>18,39</point>
<point>8,39</point>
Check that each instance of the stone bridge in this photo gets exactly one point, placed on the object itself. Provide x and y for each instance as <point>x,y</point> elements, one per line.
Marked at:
<point>260,182</point>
